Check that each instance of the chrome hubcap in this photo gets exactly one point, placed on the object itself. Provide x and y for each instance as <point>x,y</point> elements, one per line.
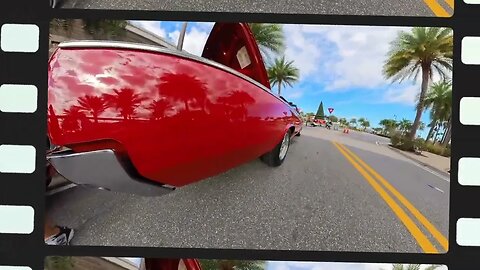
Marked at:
<point>284,146</point>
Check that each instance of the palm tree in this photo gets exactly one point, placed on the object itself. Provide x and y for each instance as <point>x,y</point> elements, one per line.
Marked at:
<point>421,126</point>
<point>282,73</point>
<point>343,121</point>
<point>232,265</point>
<point>439,101</point>
<point>93,104</point>
<point>333,118</point>
<point>105,29</point>
<point>425,50</point>
<point>192,89</point>
<point>269,37</point>
<point>64,24</point>
<point>99,29</point>
<point>157,108</point>
<point>125,100</point>
<point>237,99</point>
<point>73,118</point>
<point>353,121</point>
<point>388,124</point>
<point>364,123</point>
<point>404,125</point>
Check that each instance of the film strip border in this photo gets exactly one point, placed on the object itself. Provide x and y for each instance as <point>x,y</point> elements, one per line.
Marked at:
<point>23,97</point>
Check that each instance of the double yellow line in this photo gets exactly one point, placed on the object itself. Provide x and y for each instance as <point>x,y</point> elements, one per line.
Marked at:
<point>379,184</point>
<point>437,9</point>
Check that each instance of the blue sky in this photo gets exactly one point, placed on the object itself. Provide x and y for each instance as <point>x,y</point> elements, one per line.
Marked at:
<point>339,65</point>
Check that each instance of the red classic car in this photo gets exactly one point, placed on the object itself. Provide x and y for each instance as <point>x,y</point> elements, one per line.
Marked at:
<point>144,119</point>
<point>170,264</point>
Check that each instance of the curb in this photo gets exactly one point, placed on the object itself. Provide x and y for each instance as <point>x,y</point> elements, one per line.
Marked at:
<point>58,185</point>
<point>444,173</point>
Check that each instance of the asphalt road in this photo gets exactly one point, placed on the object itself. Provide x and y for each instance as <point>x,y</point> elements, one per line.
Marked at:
<point>343,7</point>
<point>317,200</point>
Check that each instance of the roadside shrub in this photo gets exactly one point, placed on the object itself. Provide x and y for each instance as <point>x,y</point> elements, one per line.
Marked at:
<point>396,139</point>
<point>401,142</point>
<point>438,149</point>
<point>420,144</point>
<point>407,145</point>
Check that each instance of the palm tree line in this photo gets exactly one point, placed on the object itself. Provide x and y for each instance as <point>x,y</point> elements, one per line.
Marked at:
<point>270,38</point>
<point>425,52</point>
<point>126,101</point>
<point>438,100</point>
<point>98,29</point>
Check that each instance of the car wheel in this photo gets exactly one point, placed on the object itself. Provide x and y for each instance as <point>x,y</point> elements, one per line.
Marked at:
<point>276,157</point>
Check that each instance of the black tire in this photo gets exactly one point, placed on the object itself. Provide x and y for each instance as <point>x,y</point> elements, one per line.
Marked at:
<point>273,158</point>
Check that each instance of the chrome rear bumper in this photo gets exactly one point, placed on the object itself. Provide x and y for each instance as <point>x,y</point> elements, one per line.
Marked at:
<point>104,169</point>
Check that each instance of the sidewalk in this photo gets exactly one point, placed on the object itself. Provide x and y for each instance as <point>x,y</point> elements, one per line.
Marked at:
<point>436,162</point>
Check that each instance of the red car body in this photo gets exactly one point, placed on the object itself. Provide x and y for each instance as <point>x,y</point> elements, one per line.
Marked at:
<point>172,264</point>
<point>169,118</point>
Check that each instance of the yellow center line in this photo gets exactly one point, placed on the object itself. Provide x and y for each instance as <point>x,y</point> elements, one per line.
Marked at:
<point>437,9</point>
<point>421,239</point>
<point>428,225</point>
<point>450,3</point>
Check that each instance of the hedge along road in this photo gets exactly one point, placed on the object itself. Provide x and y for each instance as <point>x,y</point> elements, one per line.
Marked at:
<point>439,8</point>
<point>335,192</point>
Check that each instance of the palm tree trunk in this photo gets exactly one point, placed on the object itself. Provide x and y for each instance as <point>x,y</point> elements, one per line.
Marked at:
<point>421,98</point>
<point>433,124</point>
<point>279,91</point>
<point>436,134</point>
<point>448,133</point>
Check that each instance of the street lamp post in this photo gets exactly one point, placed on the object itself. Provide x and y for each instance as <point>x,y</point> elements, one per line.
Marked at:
<point>181,37</point>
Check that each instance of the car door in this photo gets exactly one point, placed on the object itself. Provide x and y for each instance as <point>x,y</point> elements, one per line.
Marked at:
<point>233,45</point>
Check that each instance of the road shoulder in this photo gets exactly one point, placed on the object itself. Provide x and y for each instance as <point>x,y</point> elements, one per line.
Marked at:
<point>431,165</point>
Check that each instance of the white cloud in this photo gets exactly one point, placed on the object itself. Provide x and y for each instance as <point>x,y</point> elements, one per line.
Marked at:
<point>305,50</point>
<point>151,26</point>
<point>195,38</point>
<point>401,95</point>
<point>339,57</point>
<point>342,57</point>
<point>293,94</point>
<point>361,54</point>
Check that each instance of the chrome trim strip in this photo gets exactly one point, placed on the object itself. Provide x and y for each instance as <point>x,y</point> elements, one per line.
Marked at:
<point>157,49</point>
<point>103,169</point>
